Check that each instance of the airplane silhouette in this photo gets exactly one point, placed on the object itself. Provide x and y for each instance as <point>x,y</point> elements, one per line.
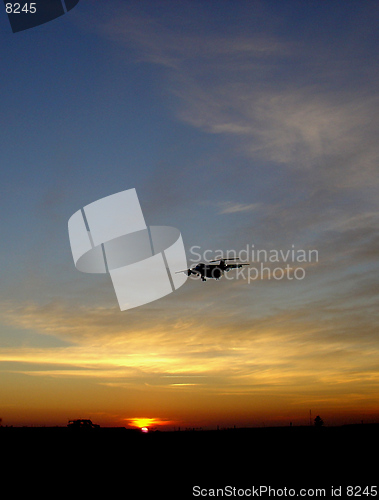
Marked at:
<point>212,270</point>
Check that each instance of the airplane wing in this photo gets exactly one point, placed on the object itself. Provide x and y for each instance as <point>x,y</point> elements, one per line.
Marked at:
<point>236,266</point>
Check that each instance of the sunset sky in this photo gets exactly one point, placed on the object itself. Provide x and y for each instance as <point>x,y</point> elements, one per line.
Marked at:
<point>245,124</point>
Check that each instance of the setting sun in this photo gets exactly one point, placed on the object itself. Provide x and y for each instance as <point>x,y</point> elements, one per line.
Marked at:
<point>143,422</point>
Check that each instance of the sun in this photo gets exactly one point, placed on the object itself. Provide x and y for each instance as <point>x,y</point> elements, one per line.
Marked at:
<point>146,424</point>
<point>143,423</point>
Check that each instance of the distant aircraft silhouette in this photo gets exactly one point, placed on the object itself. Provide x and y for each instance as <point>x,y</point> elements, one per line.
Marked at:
<point>212,270</point>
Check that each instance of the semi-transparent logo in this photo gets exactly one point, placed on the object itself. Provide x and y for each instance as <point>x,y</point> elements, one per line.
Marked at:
<point>26,15</point>
<point>110,236</point>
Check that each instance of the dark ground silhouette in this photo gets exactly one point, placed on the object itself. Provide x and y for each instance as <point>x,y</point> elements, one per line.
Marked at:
<point>168,464</point>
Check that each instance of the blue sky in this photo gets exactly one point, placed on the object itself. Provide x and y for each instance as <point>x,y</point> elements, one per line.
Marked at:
<point>241,123</point>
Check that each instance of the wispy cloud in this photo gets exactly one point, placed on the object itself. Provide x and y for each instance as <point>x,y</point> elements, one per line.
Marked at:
<point>305,108</point>
<point>237,85</point>
<point>300,121</point>
<point>189,347</point>
<point>297,354</point>
<point>229,207</point>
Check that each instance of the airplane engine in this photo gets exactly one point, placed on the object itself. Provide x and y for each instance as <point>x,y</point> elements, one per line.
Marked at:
<point>217,273</point>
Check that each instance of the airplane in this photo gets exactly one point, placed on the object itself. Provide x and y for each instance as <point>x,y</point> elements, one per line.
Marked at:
<point>212,270</point>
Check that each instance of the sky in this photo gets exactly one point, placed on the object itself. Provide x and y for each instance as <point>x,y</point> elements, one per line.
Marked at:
<point>248,125</point>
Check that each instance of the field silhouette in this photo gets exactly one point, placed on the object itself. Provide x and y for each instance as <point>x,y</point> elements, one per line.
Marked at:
<point>174,462</point>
